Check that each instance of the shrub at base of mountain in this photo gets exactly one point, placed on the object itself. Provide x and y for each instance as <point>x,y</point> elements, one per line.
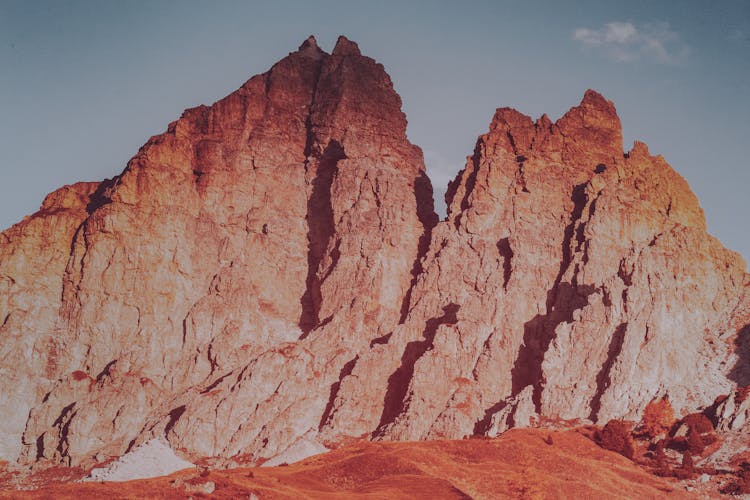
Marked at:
<point>682,448</point>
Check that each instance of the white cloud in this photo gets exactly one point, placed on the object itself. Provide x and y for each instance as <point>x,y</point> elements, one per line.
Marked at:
<point>625,42</point>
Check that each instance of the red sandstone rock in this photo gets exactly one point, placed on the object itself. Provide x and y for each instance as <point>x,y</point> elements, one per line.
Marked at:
<point>267,276</point>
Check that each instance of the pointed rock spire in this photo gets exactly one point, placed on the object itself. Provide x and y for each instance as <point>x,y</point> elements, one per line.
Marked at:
<point>310,42</point>
<point>595,125</point>
<point>345,47</point>
<point>639,149</point>
<point>510,118</point>
<point>543,122</point>
<point>595,99</point>
<point>514,129</point>
<point>310,48</point>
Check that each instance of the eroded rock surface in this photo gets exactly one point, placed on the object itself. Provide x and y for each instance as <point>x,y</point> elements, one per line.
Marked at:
<point>216,289</point>
<point>570,281</point>
<point>269,276</point>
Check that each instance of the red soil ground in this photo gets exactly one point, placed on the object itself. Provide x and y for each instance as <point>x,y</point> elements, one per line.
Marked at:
<point>522,463</point>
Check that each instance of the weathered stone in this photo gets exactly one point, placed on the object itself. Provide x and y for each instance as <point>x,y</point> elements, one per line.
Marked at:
<point>568,275</point>
<point>219,287</point>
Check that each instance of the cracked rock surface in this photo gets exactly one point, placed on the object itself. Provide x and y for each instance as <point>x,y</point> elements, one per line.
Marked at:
<point>269,275</point>
<point>570,281</point>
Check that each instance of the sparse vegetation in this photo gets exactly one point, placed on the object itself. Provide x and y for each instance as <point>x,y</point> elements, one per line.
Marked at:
<point>740,486</point>
<point>699,422</point>
<point>660,459</point>
<point>670,448</point>
<point>695,444</point>
<point>616,436</point>
<point>687,470</point>
<point>658,418</point>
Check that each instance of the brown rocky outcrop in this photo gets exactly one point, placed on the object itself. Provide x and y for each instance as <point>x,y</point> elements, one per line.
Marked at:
<point>268,275</point>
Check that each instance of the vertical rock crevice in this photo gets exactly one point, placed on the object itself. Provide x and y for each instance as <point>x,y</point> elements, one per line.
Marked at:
<point>321,230</point>
<point>346,370</point>
<point>429,219</point>
<point>563,299</point>
<point>506,253</point>
<point>398,382</point>
<point>321,165</point>
<point>603,378</point>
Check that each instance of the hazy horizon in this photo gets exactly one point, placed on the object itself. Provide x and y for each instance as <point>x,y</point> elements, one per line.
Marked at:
<point>85,84</point>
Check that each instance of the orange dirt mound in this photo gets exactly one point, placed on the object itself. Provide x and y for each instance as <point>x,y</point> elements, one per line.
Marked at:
<point>522,463</point>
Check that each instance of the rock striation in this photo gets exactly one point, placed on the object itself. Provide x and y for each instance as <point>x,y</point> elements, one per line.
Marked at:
<point>223,278</point>
<point>269,275</point>
<point>569,281</point>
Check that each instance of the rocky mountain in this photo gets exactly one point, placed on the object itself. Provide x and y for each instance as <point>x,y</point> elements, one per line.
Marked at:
<point>268,278</point>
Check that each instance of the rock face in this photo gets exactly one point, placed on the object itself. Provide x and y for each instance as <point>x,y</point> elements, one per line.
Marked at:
<point>569,281</point>
<point>223,279</point>
<point>269,275</point>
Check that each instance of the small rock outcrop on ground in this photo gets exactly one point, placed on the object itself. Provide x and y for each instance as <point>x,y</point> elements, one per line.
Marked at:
<point>269,276</point>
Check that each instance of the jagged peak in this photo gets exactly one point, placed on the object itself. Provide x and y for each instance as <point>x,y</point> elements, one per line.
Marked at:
<point>639,149</point>
<point>543,122</point>
<point>310,42</point>
<point>510,118</point>
<point>597,106</point>
<point>594,122</point>
<point>310,48</point>
<point>345,47</point>
<point>595,99</point>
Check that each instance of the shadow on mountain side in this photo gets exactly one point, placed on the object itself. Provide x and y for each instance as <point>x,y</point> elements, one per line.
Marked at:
<point>563,300</point>
<point>399,381</point>
<point>740,373</point>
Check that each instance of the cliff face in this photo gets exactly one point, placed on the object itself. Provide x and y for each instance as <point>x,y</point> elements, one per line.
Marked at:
<point>268,276</point>
<point>570,281</point>
<point>215,290</point>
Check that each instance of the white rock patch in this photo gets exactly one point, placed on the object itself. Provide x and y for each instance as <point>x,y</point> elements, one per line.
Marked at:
<point>151,459</point>
<point>300,450</point>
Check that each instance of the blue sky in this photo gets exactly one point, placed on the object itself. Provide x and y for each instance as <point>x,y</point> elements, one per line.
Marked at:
<point>84,84</point>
